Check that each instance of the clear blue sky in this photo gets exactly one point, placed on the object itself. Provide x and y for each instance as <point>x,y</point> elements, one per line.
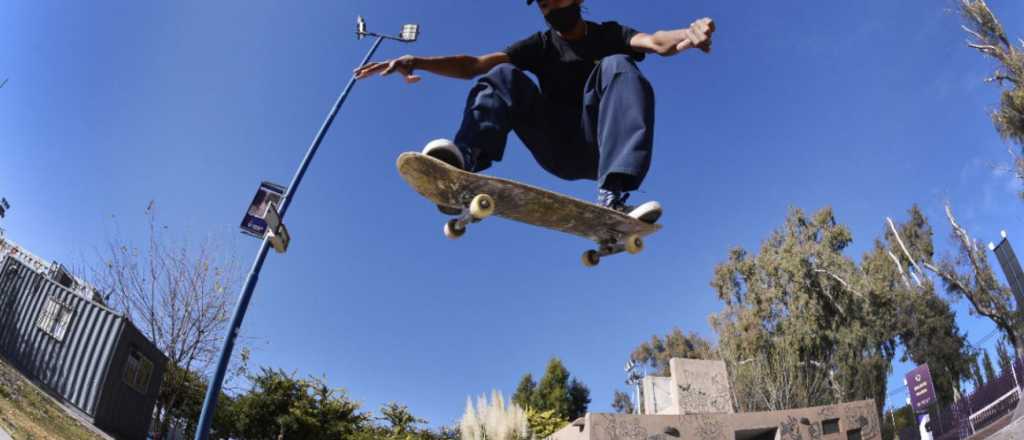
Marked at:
<point>867,106</point>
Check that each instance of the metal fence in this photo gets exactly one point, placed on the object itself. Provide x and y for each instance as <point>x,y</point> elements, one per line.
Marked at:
<point>975,411</point>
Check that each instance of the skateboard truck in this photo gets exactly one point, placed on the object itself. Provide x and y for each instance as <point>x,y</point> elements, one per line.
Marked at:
<point>479,208</point>
<point>630,243</point>
<point>276,231</point>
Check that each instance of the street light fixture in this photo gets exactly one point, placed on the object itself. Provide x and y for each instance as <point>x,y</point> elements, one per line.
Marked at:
<point>634,377</point>
<point>410,33</point>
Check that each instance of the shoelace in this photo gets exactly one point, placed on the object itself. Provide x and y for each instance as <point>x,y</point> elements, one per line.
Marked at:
<point>469,158</point>
<point>614,200</point>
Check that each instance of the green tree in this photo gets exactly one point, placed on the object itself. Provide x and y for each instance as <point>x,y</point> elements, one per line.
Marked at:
<point>802,310</point>
<point>930,336</point>
<point>579,399</point>
<point>543,423</point>
<point>557,393</point>
<point>190,390</point>
<point>976,375</point>
<point>989,38</point>
<point>657,352</point>
<point>901,417</point>
<point>401,422</point>
<point>986,365</point>
<point>552,391</point>
<point>969,275</point>
<point>622,403</point>
<point>280,405</point>
<point>1005,359</point>
<point>524,395</point>
<point>922,321</point>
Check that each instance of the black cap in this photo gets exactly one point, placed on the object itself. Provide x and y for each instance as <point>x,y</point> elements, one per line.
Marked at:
<point>529,2</point>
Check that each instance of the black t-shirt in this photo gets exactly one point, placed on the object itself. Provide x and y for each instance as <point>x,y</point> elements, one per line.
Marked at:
<point>563,66</point>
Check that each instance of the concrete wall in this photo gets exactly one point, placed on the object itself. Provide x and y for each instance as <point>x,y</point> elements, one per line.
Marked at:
<point>700,387</point>
<point>658,395</point>
<point>798,424</point>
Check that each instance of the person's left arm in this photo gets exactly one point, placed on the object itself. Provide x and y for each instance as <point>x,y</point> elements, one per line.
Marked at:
<point>667,43</point>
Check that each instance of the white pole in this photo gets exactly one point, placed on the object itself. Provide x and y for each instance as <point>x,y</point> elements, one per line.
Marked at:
<point>1013,371</point>
<point>636,398</point>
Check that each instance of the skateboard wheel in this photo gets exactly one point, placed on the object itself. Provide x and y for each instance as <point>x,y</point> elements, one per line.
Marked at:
<point>634,244</point>
<point>481,207</point>
<point>452,229</point>
<point>591,258</point>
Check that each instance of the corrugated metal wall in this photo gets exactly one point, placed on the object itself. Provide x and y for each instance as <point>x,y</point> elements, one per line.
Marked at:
<point>72,368</point>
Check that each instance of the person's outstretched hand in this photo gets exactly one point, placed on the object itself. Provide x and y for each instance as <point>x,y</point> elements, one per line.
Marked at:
<point>404,65</point>
<point>698,35</point>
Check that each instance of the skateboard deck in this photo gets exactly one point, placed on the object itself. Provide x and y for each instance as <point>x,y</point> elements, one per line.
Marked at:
<point>478,196</point>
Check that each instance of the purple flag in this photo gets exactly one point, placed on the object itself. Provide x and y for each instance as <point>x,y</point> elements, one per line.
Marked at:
<point>919,385</point>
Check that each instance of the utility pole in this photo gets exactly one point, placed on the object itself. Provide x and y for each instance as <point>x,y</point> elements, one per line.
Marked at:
<point>410,33</point>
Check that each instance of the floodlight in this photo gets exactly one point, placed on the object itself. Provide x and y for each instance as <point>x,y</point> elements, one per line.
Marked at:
<point>410,32</point>
<point>360,27</point>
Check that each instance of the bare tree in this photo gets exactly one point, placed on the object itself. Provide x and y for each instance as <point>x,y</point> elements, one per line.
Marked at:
<point>775,379</point>
<point>179,294</point>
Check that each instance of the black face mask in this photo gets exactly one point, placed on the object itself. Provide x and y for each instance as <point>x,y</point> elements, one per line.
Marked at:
<point>564,19</point>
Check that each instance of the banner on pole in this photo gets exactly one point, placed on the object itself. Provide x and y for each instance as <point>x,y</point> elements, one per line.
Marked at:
<point>920,387</point>
<point>254,223</point>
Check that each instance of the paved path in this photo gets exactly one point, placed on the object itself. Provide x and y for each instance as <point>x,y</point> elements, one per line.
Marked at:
<point>4,435</point>
<point>1014,430</point>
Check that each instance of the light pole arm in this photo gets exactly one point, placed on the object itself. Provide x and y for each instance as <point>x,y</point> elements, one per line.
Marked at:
<point>213,390</point>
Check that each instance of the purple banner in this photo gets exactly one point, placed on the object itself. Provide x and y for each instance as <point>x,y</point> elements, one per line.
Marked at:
<point>919,385</point>
<point>253,223</point>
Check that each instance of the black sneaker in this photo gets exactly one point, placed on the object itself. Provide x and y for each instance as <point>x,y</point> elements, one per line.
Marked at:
<point>648,212</point>
<point>451,154</point>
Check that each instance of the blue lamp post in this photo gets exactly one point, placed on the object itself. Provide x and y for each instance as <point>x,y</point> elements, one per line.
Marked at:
<point>410,33</point>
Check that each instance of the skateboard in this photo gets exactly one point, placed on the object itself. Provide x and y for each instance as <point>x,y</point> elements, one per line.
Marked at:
<point>478,197</point>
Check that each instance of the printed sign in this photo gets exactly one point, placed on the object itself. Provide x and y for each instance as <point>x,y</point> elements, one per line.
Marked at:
<point>254,223</point>
<point>920,387</point>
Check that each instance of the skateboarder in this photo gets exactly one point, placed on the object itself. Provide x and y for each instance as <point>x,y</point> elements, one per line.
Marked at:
<point>592,116</point>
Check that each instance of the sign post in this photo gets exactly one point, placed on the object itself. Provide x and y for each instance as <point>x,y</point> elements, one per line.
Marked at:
<point>922,392</point>
<point>279,237</point>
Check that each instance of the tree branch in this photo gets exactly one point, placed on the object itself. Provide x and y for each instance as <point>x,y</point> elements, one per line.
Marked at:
<point>905,251</point>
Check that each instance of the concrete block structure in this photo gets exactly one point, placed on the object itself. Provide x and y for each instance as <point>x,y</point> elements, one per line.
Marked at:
<point>700,387</point>
<point>696,403</point>
<point>850,421</point>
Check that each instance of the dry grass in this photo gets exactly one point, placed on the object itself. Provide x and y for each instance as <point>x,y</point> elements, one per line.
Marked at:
<point>26,413</point>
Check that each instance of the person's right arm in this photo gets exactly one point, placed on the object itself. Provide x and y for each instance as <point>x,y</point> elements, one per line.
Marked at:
<point>457,66</point>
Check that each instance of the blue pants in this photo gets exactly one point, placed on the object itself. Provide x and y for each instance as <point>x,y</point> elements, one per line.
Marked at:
<point>609,140</point>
